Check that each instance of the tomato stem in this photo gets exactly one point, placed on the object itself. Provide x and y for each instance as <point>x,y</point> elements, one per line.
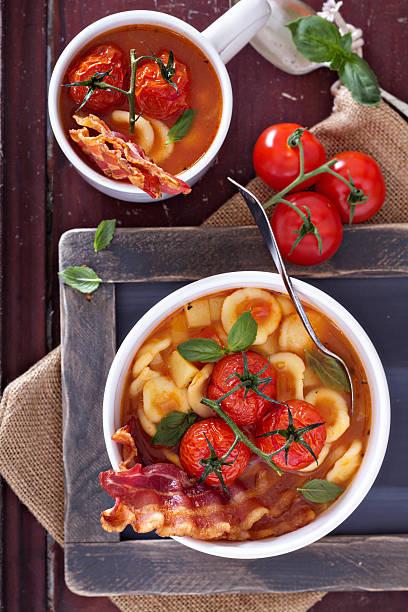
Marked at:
<point>96,82</point>
<point>242,437</point>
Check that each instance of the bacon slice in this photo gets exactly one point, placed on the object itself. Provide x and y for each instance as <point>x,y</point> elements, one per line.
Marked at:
<point>163,497</point>
<point>129,451</point>
<point>120,159</point>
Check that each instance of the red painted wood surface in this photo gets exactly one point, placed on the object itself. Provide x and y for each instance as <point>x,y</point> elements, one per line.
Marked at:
<point>43,197</point>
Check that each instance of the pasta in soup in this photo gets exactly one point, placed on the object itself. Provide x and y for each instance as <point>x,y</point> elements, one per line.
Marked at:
<point>233,425</point>
<point>147,103</point>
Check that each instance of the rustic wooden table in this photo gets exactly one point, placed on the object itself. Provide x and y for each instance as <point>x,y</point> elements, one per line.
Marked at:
<point>43,197</point>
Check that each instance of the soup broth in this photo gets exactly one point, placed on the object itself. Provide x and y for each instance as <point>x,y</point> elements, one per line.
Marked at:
<point>204,95</point>
<point>282,340</point>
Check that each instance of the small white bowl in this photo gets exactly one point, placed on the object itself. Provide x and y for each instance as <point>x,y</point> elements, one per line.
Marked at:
<point>380,402</point>
<point>219,42</point>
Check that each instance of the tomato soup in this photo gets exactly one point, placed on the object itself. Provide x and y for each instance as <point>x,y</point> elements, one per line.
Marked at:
<point>198,89</point>
<point>230,393</point>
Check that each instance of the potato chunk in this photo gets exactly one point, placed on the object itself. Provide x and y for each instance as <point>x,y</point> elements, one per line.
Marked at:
<point>198,313</point>
<point>215,307</point>
<point>182,371</point>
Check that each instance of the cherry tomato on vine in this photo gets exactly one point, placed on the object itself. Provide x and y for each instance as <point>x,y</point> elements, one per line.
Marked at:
<point>277,163</point>
<point>303,414</point>
<point>157,98</point>
<point>99,59</point>
<point>243,411</point>
<point>366,175</point>
<point>194,447</point>
<point>289,226</point>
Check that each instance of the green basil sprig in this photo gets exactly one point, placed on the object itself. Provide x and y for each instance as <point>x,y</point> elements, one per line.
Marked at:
<point>181,127</point>
<point>320,491</point>
<point>241,336</point>
<point>320,41</point>
<point>328,370</point>
<point>81,278</point>
<point>172,428</point>
<point>104,234</point>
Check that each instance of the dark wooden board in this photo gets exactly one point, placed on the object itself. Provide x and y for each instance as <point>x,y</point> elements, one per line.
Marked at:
<point>43,197</point>
<point>100,563</point>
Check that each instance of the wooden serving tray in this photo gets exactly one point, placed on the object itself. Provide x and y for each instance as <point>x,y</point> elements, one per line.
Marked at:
<point>369,276</point>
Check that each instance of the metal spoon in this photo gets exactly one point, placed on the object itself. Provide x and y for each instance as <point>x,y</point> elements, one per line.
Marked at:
<point>262,221</point>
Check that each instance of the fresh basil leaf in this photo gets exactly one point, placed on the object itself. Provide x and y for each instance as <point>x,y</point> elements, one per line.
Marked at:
<point>243,333</point>
<point>200,349</point>
<point>358,77</point>
<point>346,42</point>
<point>82,278</point>
<point>104,234</point>
<point>320,491</point>
<point>315,38</point>
<point>172,428</point>
<point>181,127</point>
<point>330,372</point>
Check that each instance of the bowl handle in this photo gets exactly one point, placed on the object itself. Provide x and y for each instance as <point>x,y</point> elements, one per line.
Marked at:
<point>236,27</point>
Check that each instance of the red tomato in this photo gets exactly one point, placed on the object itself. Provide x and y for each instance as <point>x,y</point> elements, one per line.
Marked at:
<point>286,222</point>
<point>155,96</point>
<point>207,332</point>
<point>250,410</point>
<point>303,414</point>
<point>194,447</point>
<point>99,59</point>
<point>277,164</point>
<point>366,175</point>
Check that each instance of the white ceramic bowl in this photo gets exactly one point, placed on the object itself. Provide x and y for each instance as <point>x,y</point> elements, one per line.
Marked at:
<point>219,42</point>
<point>377,443</point>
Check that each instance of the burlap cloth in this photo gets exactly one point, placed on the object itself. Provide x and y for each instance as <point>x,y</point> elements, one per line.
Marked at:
<point>31,409</point>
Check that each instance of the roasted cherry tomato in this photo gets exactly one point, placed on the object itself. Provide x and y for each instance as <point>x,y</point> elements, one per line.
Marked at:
<point>154,96</point>
<point>277,163</point>
<point>303,414</point>
<point>243,411</point>
<point>286,223</point>
<point>99,59</point>
<point>194,447</point>
<point>366,175</point>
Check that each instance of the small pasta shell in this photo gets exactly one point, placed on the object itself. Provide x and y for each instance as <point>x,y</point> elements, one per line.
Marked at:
<point>144,134</point>
<point>172,457</point>
<point>161,396</point>
<point>320,458</point>
<point>136,386</point>
<point>196,391</point>
<point>293,336</point>
<point>290,370</point>
<point>333,408</point>
<point>347,465</point>
<point>244,299</point>
<point>160,150</point>
<point>149,427</point>
<point>147,353</point>
<point>311,379</point>
<point>286,305</point>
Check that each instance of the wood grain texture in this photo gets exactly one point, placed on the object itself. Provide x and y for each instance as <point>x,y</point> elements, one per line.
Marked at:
<point>137,255</point>
<point>88,350</point>
<point>99,563</point>
<point>165,566</point>
<point>31,195</point>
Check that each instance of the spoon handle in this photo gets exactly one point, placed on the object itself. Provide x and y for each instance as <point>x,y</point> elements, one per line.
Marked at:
<point>262,221</point>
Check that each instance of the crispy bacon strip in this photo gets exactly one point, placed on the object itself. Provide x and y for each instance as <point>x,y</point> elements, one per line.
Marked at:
<point>163,497</point>
<point>129,451</point>
<point>120,159</point>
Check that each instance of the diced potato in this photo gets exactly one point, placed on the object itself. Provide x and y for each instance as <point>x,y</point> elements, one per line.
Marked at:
<point>269,347</point>
<point>198,313</point>
<point>178,328</point>
<point>182,371</point>
<point>311,378</point>
<point>215,307</point>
